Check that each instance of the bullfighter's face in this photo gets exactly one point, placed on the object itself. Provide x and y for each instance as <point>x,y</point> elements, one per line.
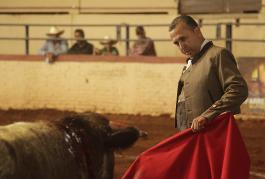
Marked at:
<point>187,39</point>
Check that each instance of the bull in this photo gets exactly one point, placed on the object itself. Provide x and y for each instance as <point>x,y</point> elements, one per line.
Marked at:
<point>75,147</point>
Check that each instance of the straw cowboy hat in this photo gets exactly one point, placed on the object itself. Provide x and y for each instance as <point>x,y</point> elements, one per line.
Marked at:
<point>55,31</point>
<point>108,40</point>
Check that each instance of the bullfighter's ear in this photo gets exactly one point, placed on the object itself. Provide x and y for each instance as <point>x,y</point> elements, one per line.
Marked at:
<point>123,138</point>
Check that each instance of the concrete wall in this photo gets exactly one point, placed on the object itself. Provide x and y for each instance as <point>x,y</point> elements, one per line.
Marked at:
<point>95,7</point>
<point>99,84</point>
<point>108,4</point>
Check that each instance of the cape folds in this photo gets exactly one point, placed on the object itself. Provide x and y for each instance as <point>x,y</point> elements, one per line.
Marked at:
<point>217,152</point>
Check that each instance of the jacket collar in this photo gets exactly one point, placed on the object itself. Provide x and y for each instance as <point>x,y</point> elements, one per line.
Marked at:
<point>200,54</point>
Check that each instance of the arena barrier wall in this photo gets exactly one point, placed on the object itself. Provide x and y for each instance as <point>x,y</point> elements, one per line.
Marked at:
<point>131,85</point>
<point>124,85</point>
<point>253,70</point>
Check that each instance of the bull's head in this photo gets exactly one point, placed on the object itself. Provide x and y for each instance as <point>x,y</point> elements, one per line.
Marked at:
<point>91,141</point>
<point>77,147</point>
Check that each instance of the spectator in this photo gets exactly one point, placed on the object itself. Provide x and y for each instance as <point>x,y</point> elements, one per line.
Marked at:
<point>108,48</point>
<point>143,45</point>
<point>81,46</point>
<point>55,45</point>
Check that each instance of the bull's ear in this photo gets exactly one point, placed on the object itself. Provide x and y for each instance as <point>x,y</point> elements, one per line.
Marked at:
<point>123,138</point>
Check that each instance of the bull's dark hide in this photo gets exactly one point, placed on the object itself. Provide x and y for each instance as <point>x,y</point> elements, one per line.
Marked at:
<point>76,147</point>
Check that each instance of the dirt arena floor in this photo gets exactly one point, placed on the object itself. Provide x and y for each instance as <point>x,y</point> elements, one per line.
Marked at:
<point>158,128</point>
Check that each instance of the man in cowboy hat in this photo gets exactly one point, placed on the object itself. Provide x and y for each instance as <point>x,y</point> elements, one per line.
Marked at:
<point>54,45</point>
<point>108,48</point>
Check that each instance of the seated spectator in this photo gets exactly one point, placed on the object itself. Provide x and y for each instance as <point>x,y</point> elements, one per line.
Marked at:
<point>143,45</point>
<point>108,48</point>
<point>81,46</point>
<point>55,45</point>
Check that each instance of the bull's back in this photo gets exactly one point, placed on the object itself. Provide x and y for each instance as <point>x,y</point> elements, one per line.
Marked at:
<point>35,150</point>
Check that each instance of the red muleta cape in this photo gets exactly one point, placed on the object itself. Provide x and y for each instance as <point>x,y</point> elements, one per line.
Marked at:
<point>216,152</point>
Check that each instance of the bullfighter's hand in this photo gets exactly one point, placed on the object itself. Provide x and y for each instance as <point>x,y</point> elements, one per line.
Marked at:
<point>198,123</point>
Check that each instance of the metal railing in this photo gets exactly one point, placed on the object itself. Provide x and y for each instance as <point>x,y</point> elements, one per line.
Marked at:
<point>125,28</point>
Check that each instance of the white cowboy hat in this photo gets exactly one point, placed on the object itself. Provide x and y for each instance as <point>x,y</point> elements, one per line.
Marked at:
<point>108,40</point>
<point>55,31</point>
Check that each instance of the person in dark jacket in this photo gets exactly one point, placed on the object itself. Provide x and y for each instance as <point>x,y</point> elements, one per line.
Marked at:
<point>81,46</point>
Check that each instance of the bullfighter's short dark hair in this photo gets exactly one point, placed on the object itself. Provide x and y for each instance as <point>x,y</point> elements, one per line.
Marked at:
<point>183,18</point>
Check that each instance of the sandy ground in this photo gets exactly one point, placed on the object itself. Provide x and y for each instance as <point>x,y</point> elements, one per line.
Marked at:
<point>158,128</point>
